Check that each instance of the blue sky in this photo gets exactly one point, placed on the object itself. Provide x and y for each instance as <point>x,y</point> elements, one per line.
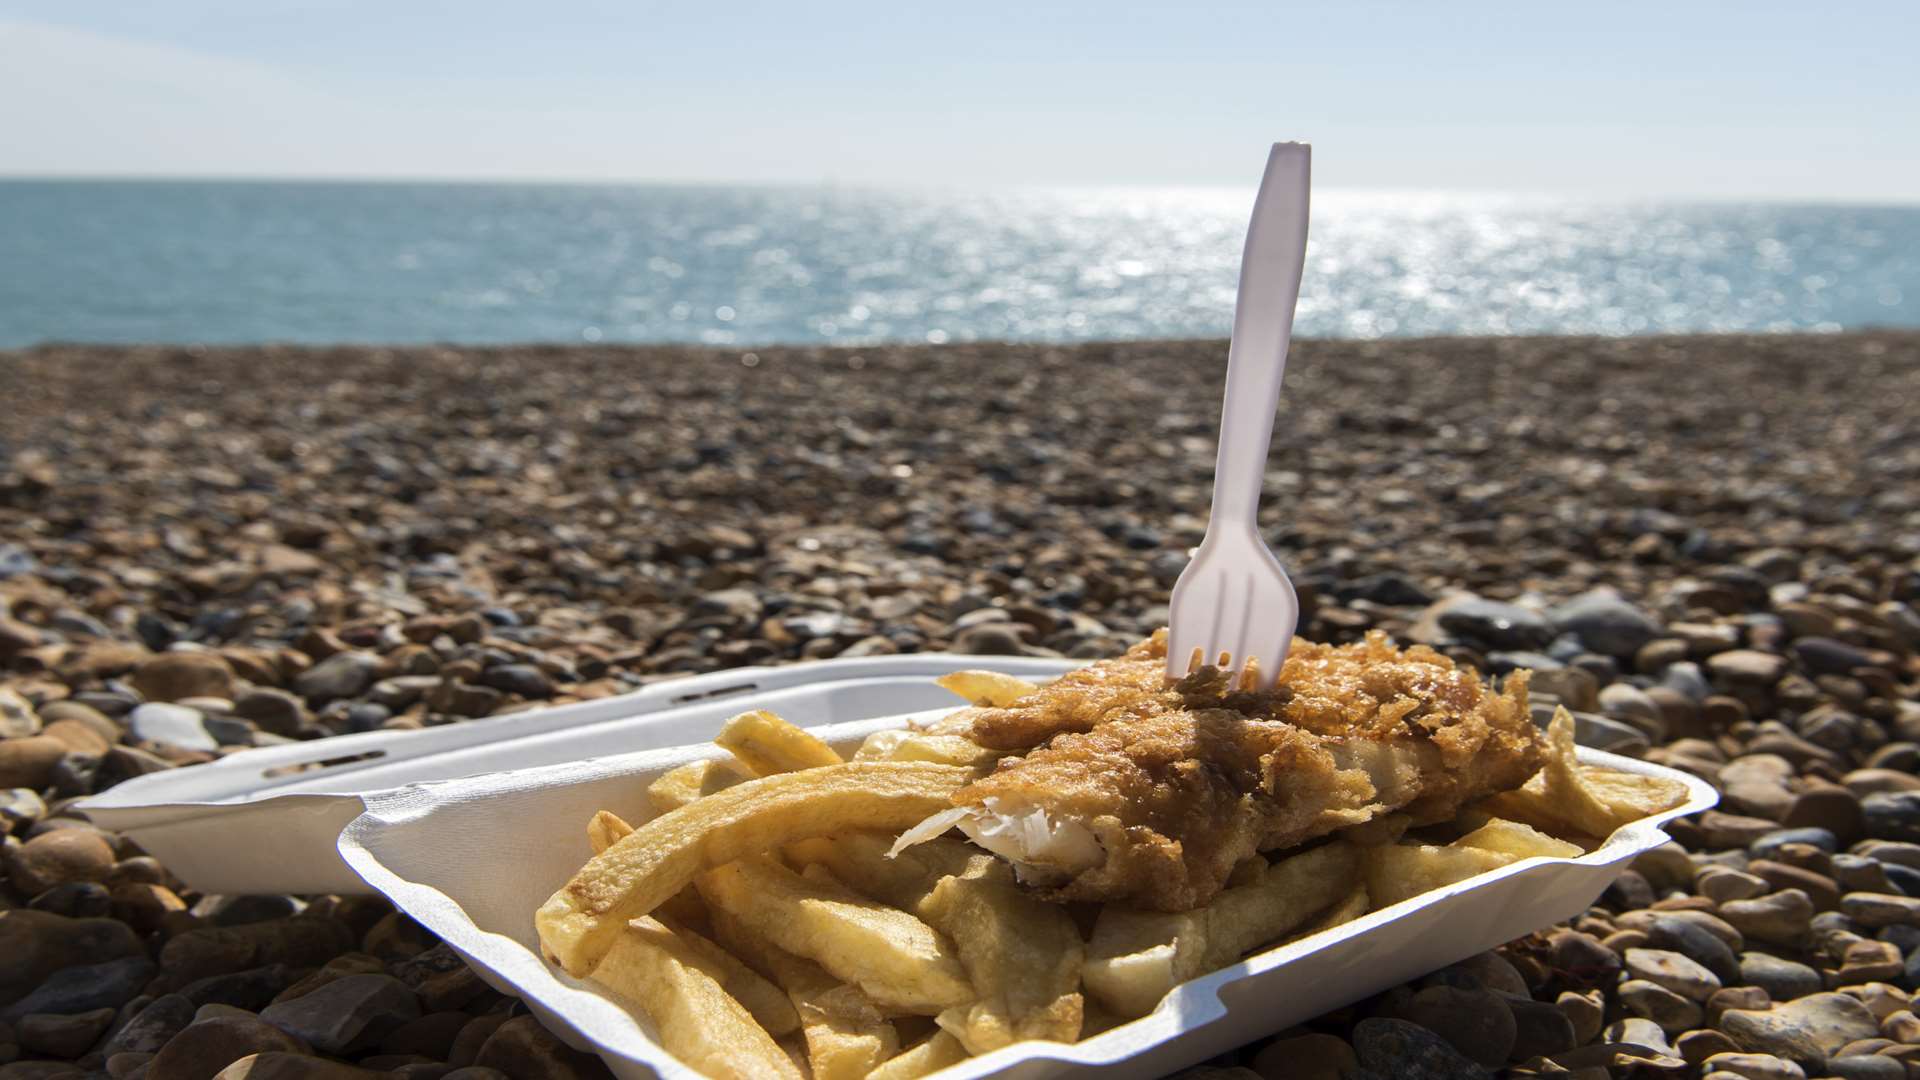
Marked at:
<point>1778,100</point>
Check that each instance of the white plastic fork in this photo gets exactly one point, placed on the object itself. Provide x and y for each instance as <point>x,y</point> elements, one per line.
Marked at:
<point>1233,605</point>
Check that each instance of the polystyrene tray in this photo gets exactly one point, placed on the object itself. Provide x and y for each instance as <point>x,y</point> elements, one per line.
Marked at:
<point>472,859</point>
<point>268,820</point>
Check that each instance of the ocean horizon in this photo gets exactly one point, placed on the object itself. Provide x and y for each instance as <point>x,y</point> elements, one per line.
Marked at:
<point>483,262</point>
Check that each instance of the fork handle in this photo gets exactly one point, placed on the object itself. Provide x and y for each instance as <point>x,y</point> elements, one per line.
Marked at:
<point>1270,272</point>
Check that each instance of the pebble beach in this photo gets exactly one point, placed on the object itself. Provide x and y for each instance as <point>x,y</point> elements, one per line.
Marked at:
<point>1707,548</point>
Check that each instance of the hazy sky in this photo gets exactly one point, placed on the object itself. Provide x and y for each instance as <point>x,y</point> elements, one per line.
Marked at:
<point>1666,98</point>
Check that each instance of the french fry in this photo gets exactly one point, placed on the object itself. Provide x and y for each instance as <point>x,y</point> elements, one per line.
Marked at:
<point>1345,910</point>
<point>604,829</point>
<point>1022,954</point>
<point>846,1037</point>
<point>693,1016</point>
<point>986,687</point>
<point>766,744</point>
<point>1568,798</point>
<point>899,961</point>
<point>938,1052</point>
<point>579,922</point>
<point>1398,871</point>
<point>904,881</point>
<point>768,1003</point>
<point>679,786</point>
<point>1520,841</point>
<point>905,745</point>
<point>1136,957</point>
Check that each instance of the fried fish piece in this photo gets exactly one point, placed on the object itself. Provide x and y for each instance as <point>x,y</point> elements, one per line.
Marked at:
<point>1150,792</point>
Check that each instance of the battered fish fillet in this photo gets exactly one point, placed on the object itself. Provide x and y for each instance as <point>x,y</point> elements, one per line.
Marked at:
<point>1134,789</point>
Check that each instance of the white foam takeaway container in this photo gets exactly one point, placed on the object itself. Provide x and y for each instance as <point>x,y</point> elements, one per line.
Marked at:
<point>472,858</point>
<point>268,820</point>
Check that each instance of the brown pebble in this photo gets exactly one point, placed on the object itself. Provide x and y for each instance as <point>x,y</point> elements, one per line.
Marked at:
<point>1902,1027</point>
<point>1699,1045</point>
<point>1308,1057</point>
<point>1822,890</point>
<point>57,857</point>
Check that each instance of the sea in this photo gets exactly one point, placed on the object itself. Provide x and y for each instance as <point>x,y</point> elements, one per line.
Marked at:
<point>335,262</point>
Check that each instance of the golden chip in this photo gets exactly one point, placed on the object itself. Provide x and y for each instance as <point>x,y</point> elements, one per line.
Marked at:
<point>986,687</point>
<point>1137,956</point>
<point>1398,871</point>
<point>766,744</point>
<point>846,1037</point>
<point>664,855</point>
<point>677,787</point>
<point>895,958</point>
<point>694,1018</point>
<point>925,1059</point>
<point>1520,841</point>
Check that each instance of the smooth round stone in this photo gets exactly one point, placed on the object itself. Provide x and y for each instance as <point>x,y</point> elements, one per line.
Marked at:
<point>1309,1057</point>
<point>57,858</point>
<point>1753,1067</point>
<point>1585,1013</point>
<point>1767,846</point>
<point>1673,971</point>
<point>1391,1047</point>
<point>1805,1031</point>
<point>175,675</point>
<point>1696,944</point>
<point>1875,910</point>
<point>172,725</point>
<point>1892,815</point>
<point>1901,879</point>
<point>1654,1002</point>
<point>1722,885</point>
<point>1605,623</point>
<point>1783,918</point>
<point>1783,980</point>
<point>1835,810</point>
<point>1865,1067</point>
<point>75,900</point>
<point>1697,1046</point>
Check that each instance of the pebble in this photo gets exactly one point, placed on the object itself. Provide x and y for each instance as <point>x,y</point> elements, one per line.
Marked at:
<point>1892,815</point>
<point>1584,1012</point>
<point>1806,1031</point>
<point>29,762</point>
<point>1835,809</point>
<point>1673,971</point>
<point>1605,624</point>
<point>342,675</point>
<point>1754,1066</point>
<point>1306,1057</point>
<point>150,1029</point>
<point>66,1036</point>
<point>1782,979</point>
<point>1697,944</point>
<point>35,944</point>
<point>59,857</point>
<point>1491,623</point>
<point>1781,918</point>
<point>521,1047</point>
<point>525,680</point>
<point>85,987</point>
<point>175,675</point>
<point>1407,1051</point>
<point>1865,1067</point>
<point>171,725</point>
<point>1697,1046</point>
<point>1582,959</point>
<point>1721,885</point>
<point>1476,1022</point>
<point>1654,1002</point>
<point>1821,891</point>
<point>1875,910</point>
<point>348,1014</point>
<point>211,1043</point>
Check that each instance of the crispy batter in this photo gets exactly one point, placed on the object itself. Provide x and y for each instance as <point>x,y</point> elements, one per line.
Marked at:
<point>1179,782</point>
